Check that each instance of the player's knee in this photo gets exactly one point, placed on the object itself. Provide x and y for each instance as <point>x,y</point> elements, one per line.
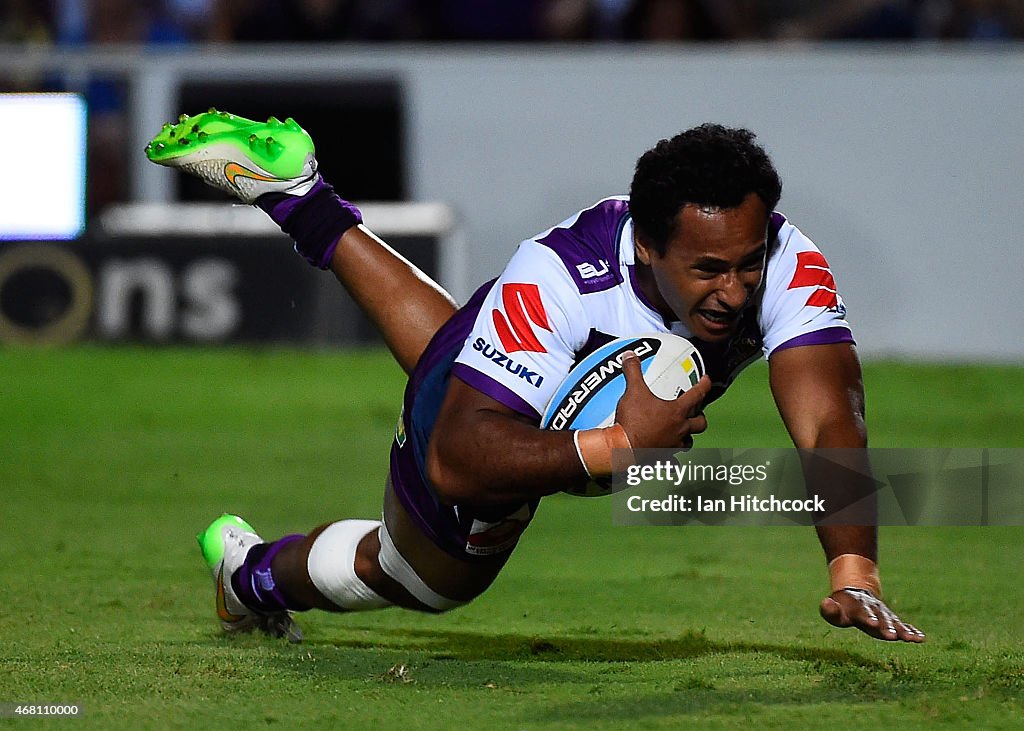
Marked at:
<point>366,566</point>
<point>398,569</point>
<point>336,566</point>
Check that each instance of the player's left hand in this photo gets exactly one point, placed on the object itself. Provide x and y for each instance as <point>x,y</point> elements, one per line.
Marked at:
<point>863,610</point>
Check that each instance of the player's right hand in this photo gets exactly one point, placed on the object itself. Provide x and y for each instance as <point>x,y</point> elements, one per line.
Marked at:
<point>654,423</point>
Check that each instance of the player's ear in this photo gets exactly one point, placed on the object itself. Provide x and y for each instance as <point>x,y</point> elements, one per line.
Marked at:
<point>643,251</point>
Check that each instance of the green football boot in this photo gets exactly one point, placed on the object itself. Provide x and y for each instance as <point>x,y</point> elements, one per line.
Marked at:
<point>225,544</point>
<point>238,155</point>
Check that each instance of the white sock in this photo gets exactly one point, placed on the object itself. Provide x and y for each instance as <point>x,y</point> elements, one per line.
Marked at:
<point>332,565</point>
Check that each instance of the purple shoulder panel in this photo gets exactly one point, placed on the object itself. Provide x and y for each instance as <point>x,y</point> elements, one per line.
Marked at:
<point>589,248</point>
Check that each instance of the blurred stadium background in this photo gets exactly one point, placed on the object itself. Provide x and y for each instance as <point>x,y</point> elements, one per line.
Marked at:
<point>895,124</point>
<point>463,126</point>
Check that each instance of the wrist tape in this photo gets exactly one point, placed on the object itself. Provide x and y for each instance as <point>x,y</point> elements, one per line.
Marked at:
<point>594,448</point>
<point>853,571</point>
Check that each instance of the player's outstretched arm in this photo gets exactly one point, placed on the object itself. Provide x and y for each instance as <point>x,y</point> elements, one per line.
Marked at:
<point>820,396</point>
<point>482,451</point>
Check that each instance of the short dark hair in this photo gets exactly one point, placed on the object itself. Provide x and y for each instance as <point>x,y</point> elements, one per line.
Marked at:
<point>710,165</point>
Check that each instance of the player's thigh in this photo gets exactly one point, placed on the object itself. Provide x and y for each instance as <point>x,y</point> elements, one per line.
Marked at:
<point>451,577</point>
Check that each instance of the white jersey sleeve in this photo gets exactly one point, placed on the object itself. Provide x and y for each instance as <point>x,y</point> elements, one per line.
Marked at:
<point>801,304</point>
<point>527,332</point>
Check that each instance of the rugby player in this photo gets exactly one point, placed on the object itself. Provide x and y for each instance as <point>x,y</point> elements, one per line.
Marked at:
<point>696,249</point>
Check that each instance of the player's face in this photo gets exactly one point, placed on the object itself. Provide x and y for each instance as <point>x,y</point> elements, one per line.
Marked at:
<point>711,267</point>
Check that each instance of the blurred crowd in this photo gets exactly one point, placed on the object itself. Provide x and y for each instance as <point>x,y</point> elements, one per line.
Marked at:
<point>77,22</point>
<point>91,23</point>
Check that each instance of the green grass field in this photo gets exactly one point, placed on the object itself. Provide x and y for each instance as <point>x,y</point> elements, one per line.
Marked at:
<point>112,459</point>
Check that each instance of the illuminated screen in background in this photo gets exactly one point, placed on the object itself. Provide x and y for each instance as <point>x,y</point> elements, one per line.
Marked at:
<point>42,166</point>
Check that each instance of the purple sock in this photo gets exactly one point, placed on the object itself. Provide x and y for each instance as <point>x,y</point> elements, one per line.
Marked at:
<point>254,584</point>
<point>315,220</point>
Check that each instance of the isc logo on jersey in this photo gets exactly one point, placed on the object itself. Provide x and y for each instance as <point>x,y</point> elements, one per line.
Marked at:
<point>589,271</point>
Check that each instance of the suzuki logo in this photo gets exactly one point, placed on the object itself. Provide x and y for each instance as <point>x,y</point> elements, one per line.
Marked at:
<point>516,369</point>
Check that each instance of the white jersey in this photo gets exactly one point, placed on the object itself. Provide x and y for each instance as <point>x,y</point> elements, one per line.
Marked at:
<point>573,288</point>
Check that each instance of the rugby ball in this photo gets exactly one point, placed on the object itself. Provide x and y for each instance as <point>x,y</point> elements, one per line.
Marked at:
<point>588,396</point>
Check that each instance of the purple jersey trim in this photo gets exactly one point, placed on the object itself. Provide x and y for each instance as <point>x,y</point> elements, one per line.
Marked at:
<point>589,247</point>
<point>491,388</point>
<point>775,221</point>
<point>635,284</point>
<point>828,336</point>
